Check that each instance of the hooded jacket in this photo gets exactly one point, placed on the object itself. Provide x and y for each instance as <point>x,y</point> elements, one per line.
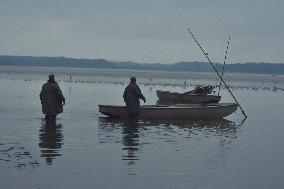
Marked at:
<point>51,98</point>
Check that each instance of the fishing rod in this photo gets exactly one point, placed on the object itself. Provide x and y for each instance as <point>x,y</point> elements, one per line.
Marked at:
<point>206,55</point>
<point>222,74</point>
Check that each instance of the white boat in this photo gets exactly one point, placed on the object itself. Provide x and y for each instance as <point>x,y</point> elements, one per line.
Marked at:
<point>167,97</point>
<point>177,111</point>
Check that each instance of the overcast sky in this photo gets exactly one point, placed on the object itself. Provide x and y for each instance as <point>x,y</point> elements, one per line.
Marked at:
<point>144,31</point>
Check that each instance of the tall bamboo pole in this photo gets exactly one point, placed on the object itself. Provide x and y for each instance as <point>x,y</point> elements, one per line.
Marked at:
<point>206,55</point>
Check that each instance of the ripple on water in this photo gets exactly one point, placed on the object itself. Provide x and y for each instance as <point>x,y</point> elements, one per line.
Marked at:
<point>16,155</point>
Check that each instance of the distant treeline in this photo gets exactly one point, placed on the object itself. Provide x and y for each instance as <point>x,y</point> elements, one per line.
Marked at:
<point>264,68</point>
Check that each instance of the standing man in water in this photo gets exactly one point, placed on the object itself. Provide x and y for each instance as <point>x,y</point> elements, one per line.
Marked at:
<point>51,98</point>
<point>131,96</point>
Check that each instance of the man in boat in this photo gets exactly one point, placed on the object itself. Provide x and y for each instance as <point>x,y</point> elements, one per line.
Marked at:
<point>52,99</point>
<point>132,95</point>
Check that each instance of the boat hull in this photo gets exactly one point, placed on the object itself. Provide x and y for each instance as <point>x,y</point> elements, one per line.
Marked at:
<point>182,111</point>
<point>167,97</point>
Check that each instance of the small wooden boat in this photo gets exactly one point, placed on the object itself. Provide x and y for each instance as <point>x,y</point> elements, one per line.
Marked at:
<point>178,111</point>
<point>167,97</point>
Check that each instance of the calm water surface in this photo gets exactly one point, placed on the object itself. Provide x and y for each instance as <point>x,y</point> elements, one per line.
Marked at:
<point>84,149</point>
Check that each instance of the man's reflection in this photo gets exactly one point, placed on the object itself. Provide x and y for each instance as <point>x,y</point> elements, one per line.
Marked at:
<point>130,140</point>
<point>51,137</point>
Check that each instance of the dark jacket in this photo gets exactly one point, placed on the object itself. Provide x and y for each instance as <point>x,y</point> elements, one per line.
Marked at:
<point>51,98</point>
<point>131,95</point>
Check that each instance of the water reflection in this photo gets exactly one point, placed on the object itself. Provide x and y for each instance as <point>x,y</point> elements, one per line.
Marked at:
<point>222,124</point>
<point>122,131</point>
<point>172,130</point>
<point>130,140</point>
<point>137,134</point>
<point>51,137</point>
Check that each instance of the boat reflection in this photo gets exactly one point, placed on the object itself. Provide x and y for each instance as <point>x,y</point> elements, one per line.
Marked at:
<point>135,134</point>
<point>51,137</point>
<point>193,123</point>
<point>224,129</point>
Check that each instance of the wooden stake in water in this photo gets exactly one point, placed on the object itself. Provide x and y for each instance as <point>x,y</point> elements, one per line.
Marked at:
<point>222,74</point>
<point>206,55</point>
